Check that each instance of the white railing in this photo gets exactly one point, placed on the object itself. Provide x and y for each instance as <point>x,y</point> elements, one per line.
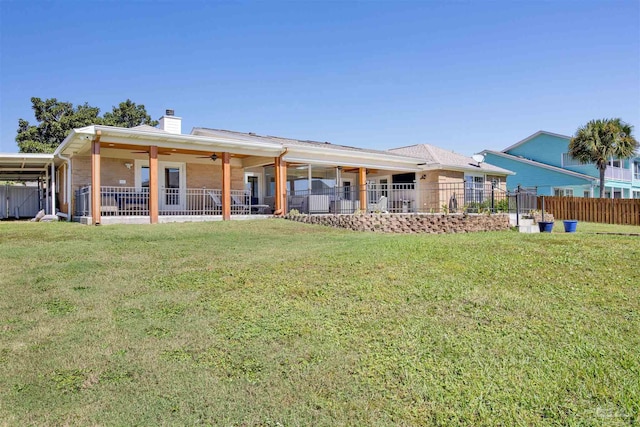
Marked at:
<point>192,201</point>
<point>201,201</point>
<point>134,201</point>
<point>619,174</point>
<point>399,197</point>
<point>124,201</point>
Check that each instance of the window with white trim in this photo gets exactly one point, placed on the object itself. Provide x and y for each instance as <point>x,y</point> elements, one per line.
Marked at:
<point>473,189</point>
<point>563,192</point>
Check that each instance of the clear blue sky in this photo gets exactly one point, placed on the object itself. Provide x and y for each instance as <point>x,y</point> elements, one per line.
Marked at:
<point>463,75</point>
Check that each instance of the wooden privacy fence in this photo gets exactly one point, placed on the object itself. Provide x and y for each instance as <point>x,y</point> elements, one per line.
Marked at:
<point>607,211</point>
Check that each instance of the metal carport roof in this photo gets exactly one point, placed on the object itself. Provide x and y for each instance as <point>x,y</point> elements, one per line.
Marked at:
<point>24,166</point>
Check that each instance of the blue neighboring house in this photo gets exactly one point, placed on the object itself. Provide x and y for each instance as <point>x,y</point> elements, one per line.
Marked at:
<point>542,160</point>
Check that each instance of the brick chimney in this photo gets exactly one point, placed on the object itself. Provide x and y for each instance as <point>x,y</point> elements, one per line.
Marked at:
<point>170,123</point>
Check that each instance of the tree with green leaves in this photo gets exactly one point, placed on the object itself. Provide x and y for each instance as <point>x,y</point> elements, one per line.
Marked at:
<point>601,140</point>
<point>57,119</point>
<point>128,115</point>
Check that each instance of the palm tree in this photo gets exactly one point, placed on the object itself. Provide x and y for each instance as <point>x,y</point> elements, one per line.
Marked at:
<point>601,140</point>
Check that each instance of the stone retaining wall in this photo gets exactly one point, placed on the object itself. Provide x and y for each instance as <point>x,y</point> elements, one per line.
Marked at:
<point>410,223</point>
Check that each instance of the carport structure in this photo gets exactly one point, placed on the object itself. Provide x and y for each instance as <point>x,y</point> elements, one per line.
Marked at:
<point>20,168</point>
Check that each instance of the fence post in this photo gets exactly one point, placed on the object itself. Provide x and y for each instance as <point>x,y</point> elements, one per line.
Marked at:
<point>492,198</point>
<point>517,207</point>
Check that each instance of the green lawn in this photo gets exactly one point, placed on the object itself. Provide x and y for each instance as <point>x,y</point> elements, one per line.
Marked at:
<point>268,323</point>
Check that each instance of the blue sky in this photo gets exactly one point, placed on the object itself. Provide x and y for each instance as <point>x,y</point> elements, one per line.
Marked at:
<point>462,75</point>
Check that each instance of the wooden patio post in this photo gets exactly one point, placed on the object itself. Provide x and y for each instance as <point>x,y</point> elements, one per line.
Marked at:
<point>283,191</point>
<point>362,177</point>
<point>278,179</point>
<point>153,184</point>
<point>226,186</point>
<point>95,181</point>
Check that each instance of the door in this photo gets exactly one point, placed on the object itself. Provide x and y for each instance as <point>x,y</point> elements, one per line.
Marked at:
<point>171,184</point>
<point>172,188</point>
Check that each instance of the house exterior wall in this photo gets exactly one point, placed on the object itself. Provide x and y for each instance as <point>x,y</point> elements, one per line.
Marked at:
<point>210,176</point>
<point>80,172</point>
<point>543,148</point>
<point>528,175</point>
<point>445,177</point>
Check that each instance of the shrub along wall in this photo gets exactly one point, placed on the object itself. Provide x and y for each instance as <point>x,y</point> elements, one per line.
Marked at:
<point>410,223</point>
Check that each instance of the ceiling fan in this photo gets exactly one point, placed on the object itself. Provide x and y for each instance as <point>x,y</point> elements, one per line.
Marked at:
<point>212,156</point>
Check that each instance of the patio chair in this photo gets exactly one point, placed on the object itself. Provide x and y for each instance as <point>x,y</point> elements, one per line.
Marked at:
<point>382,205</point>
<point>238,206</point>
<point>217,203</point>
<point>109,205</point>
<point>297,202</point>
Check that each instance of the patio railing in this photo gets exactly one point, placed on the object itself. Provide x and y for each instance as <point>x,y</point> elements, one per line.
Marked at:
<point>83,202</point>
<point>338,200</point>
<point>134,201</point>
<point>461,196</point>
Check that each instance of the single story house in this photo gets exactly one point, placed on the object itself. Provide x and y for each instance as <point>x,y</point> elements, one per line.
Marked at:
<point>104,174</point>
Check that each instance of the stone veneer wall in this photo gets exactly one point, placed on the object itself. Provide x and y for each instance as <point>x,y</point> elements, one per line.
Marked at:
<point>410,223</point>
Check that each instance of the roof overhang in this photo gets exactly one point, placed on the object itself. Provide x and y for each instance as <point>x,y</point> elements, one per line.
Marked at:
<point>535,135</point>
<point>79,141</point>
<point>471,169</point>
<point>540,165</point>
<point>24,166</point>
<point>337,157</point>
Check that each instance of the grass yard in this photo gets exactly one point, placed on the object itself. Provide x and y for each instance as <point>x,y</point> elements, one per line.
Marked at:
<point>276,323</point>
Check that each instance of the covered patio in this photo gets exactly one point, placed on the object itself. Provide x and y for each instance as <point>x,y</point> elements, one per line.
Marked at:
<point>26,183</point>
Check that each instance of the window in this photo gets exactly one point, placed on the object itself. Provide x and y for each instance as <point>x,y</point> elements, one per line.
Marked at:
<point>586,194</point>
<point>347,189</point>
<point>270,178</point>
<point>636,194</point>
<point>253,186</point>
<point>636,170</point>
<point>171,185</point>
<point>563,192</point>
<point>473,189</point>
<point>144,176</point>
<point>384,187</point>
<point>568,160</point>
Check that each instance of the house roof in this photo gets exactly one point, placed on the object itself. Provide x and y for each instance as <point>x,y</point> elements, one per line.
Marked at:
<point>541,165</point>
<point>80,138</point>
<point>412,158</point>
<point>325,152</point>
<point>433,155</point>
<point>288,142</point>
<point>147,128</point>
<point>530,137</point>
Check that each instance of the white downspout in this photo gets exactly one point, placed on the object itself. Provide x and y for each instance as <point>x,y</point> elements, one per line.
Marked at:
<point>46,189</point>
<point>68,185</point>
<point>52,184</point>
